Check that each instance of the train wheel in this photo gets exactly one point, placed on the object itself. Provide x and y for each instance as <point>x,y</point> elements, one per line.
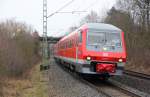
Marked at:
<point>104,78</point>
<point>69,68</point>
<point>72,68</point>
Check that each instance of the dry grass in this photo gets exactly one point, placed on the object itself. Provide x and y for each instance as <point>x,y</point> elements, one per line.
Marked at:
<point>32,87</point>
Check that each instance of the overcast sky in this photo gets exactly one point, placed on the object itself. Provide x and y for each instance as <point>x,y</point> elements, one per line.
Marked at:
<point>30,12</point>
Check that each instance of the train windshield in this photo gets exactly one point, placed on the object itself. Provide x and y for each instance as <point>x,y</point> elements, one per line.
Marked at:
<point>104,41</point>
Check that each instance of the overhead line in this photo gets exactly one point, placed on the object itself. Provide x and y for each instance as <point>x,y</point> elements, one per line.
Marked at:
<point>72,12</point>
<point>61,8</point>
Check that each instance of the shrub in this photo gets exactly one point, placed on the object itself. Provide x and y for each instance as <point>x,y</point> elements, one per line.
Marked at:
<point>18,48</point>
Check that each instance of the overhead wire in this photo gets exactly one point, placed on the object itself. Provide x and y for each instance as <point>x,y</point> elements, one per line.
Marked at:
<point>91,5</point>
<point>61,8</point>
<point>85,10</point>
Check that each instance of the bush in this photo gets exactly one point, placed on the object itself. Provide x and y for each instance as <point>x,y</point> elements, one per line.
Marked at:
<point>18,48</point>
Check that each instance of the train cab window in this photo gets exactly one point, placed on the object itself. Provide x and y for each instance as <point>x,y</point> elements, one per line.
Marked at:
<point>96,38</point>
<point>104,41</point>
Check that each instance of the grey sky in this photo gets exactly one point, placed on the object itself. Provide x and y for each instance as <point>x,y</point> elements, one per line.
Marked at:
<point>30,11</point>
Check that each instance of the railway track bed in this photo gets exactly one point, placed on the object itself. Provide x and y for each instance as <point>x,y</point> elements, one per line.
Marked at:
<point>112,88</point>
<point>129,90</point>
<point>109,88</point>
<point>62,84</point>
<point>136,81</point>
<point>76,86</point>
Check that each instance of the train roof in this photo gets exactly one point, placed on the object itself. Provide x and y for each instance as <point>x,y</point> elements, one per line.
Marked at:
<point>102,26</point>
<point>98,26</point>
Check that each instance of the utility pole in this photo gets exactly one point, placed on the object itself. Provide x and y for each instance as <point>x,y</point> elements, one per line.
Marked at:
<point>45,63</point>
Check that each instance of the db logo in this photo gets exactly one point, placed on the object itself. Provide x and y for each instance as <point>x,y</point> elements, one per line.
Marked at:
<point>105,54</point>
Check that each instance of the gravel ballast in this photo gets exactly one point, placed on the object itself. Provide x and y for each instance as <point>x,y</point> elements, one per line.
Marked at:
<point>134,82</point>
<point>62,84</point>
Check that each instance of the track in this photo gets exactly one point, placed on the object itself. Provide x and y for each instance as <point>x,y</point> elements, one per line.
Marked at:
<point>107,88</point>
<point>111,88</point>
<point>129,90</point>
<point>136,74</point>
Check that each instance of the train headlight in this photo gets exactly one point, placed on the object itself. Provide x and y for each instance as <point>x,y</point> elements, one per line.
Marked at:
<point>104,48</point>
<point>120,60</point>
<point>88,58</point>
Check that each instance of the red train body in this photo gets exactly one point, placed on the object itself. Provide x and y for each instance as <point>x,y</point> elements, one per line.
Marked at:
<point>94,48</point>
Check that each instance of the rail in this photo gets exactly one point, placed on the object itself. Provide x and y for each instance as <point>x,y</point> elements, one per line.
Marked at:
<point>99,88</point>
<point>137,74</point>
<point>129,90</point>
<point>116,86</point>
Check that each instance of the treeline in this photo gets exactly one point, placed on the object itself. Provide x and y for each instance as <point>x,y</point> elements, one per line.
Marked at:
<point>132,16</point>
<point>18,48</point>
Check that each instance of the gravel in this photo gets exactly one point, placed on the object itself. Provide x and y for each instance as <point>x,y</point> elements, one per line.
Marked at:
<point>62,84</point>
<point>134,82</point>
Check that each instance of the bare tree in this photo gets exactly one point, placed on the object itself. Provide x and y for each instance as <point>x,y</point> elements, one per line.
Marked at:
<point>139,10</point>
<point>90,18</point>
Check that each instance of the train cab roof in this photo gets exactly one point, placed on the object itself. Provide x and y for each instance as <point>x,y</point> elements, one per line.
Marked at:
<point>101,26</point>
<point>95,26</point>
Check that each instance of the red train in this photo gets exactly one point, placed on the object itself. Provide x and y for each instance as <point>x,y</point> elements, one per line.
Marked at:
<point>93,49</point>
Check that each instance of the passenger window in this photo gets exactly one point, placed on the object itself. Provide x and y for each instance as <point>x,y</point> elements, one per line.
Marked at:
<point>80,36</point>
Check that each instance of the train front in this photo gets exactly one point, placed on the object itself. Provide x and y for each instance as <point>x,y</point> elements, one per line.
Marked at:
<point>104,51</point>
